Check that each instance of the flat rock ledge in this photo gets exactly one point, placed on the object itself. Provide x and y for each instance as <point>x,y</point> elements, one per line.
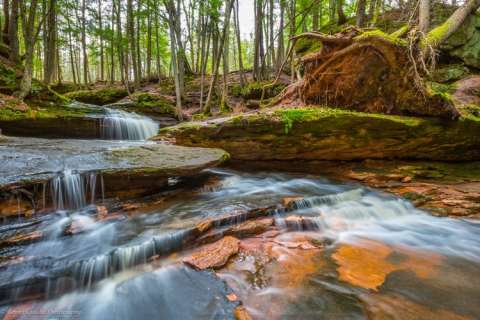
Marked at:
<point>131,167</point>
<point>323,133</point>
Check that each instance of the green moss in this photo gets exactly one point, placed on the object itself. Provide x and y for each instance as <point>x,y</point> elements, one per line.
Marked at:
<point>436,35</point>
<point>441,90</point>
<point>449,73</point>
<point>299,115</point>
<point>253,90</point>
<point>151,103</point>
<point>400,32</point>
<point>304,46</point>
<point>380,34</point>
<point>100,96</point>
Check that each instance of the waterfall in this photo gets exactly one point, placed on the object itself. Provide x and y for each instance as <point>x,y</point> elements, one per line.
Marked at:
<point>119,259</point>
<point>71,190</point>
<point>122,125</point>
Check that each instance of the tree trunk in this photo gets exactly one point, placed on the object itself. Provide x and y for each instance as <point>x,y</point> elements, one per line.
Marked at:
<point>424,16</point>
<point>6,23</point>
<point>112,44</point>
<point>100,27</point>
<point>132,43</point>
<point>84,44</point>
<point>441,33</point>
<point>50,32</point>
<point>174,63</point>
<point>361,13</point>
<point>30,34</point>
<point>13,32</point>
<point>149,41</point>
<point>280,41</point>
<point>342,19</point>
<point>228,9</point>
<point>239,44</point>
<point>316,17</point>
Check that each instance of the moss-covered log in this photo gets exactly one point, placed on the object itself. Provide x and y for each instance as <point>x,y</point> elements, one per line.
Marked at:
<point>333,134</point>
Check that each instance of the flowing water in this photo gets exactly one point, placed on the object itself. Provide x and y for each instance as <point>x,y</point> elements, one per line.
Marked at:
<point>122,125</point>
<point>380,258</point>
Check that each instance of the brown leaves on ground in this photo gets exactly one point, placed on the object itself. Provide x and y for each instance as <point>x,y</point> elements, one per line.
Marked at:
<point>12,103</point>
<point>214,255</point>
<point>367,263</point>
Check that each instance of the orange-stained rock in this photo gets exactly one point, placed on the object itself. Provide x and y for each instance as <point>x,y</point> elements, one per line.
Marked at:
<point>232,297</point>
<point>242,230</point>
<point>383,307</point>
<point>288,200</point>
<point>241,313</point>
<point>214,255</point>
<point>366,263</point>
<point>22,239</point>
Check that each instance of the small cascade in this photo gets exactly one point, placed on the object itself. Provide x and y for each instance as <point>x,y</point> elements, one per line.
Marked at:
<point>328,200</point>
<point>92,270</point>
<point>71,190</point>
<point>122,125</point>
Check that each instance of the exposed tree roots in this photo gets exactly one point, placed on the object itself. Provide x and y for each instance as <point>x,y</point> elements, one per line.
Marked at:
<point>367,72</point>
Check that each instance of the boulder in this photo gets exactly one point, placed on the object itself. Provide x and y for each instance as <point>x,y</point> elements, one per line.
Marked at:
<point>332,134</point>
<point>465,43</point>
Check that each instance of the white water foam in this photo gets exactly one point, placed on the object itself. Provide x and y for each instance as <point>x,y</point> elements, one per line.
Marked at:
<point>122,125</point>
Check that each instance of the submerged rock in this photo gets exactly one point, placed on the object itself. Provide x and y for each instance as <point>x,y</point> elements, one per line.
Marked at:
<point>332,134</point>
<point>173,292</point>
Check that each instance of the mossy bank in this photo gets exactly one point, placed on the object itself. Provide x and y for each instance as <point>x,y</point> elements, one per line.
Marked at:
<point>332,134</point>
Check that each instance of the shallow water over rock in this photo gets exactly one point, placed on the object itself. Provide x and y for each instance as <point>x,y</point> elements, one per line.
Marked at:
<point>370,255</point>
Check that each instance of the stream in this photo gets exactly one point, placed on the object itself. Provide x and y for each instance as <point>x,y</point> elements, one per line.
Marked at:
<point>374,256</point>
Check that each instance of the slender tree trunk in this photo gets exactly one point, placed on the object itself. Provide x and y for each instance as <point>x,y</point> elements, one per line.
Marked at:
<point>132,43</point>
<point>137,42</point>
<point>174,63</point>
<point>13,32</point>
<point>228,9</point>
<point>341,15</point>
<point>280,41</point>
<point>50,32</point>
<point>84,44</point>
<point>157,42</point>
<point>204,69</point>
<point>272,41</point>
<point>149,41</point>
<point>100,27</point>
<point>316,16</point>
<point>70,50</point>
<point>6,23</point>
<point>441,33</point>
<point>361,13</point>
<point>30,34</point>
<point>112,44</point>
<point>258,40</point>
<point>239,45</point>
<point>424,16</point>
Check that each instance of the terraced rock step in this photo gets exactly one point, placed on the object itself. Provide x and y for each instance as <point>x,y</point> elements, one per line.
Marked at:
<point>332,134</point>
<point>74,165</point>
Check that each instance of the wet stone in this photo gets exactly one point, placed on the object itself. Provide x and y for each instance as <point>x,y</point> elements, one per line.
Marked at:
<point>214,255</point>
